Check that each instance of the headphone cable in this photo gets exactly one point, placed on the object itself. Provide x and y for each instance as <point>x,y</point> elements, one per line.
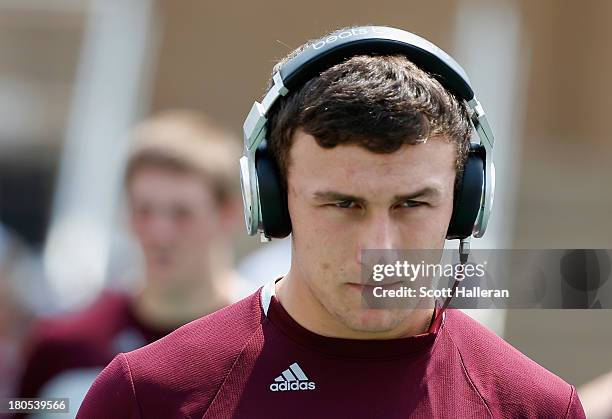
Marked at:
<point>464,252</point>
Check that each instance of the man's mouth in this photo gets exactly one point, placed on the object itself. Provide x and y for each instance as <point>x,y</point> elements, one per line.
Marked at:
<point>368,286</point>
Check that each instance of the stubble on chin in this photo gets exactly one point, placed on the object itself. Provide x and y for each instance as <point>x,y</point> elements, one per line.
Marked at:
<point>352,314</point>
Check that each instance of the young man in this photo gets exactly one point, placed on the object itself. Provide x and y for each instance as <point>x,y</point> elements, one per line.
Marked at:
<point>183,203</point>
<point>369,149</point>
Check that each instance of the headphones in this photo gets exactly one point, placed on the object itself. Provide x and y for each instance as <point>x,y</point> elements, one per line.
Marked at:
<point>264,198</point>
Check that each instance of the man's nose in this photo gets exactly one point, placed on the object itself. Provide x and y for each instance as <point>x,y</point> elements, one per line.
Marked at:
<point>161,229</point>
<point>380,233</point>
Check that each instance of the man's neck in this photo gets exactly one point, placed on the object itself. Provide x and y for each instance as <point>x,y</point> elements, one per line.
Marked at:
<point>298,300</point>
<point>167,308</point>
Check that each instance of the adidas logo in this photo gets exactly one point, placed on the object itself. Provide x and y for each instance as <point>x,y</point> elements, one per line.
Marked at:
<point>293,378</point>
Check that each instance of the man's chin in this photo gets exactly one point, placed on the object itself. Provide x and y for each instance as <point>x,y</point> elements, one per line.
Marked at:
<point>163,277</point>
<point>371,320</point>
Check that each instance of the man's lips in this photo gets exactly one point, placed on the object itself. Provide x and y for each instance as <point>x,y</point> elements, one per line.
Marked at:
<point>371,285</point>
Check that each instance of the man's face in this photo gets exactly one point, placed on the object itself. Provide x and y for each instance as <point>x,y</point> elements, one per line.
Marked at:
<point>175,219</point>
<point>347,199</point>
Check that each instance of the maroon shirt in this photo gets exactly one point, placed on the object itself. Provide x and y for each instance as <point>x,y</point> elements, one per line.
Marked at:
<point>239,362</point>
<point>86,339</point>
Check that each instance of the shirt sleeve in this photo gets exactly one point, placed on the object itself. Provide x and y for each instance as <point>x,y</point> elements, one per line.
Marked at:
<point>575,410</point>
<point>112,394</point>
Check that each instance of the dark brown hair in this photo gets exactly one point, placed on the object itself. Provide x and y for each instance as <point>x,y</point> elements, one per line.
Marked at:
<point>377,102</point>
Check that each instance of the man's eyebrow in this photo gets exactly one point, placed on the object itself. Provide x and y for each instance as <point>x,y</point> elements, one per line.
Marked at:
<point>336,196</point>
<point>426,192</point>
<point>329,195</point>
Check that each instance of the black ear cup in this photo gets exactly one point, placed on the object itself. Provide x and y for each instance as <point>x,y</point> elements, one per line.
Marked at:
<point>272,196</point>
<point>467,198</point>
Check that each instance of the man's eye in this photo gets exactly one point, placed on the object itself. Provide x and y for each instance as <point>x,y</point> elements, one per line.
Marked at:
<point>180,214</point>
<point>346,204</point>
<point>143,210</point>
<point>411,204</point>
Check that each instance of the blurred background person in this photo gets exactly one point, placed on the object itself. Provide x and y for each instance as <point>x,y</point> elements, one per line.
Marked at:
<point>180,181</point>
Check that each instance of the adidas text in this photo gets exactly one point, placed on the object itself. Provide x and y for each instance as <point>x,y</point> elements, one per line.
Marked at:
<point>293,385</point>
